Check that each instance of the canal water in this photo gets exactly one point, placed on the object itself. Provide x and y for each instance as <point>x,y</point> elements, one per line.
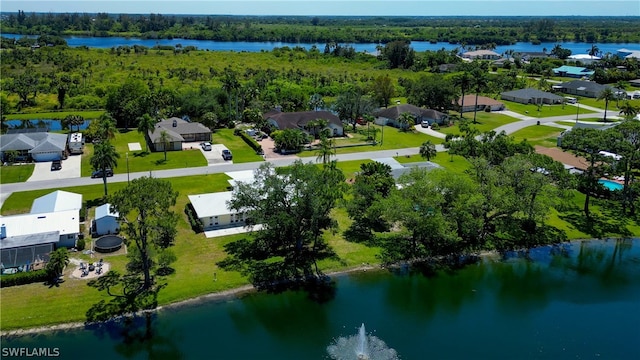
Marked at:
<point>577,301</point>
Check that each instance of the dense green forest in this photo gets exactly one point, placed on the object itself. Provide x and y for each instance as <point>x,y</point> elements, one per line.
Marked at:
<point>308,29</point>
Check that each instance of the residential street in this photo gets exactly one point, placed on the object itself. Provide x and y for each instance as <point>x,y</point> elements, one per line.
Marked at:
<point>525,121</point>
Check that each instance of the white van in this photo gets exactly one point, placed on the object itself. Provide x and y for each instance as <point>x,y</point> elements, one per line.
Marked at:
<point>570,100</point>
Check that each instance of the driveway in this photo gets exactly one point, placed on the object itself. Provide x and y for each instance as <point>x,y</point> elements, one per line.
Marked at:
<point>269,149</point>
<point>214,157</point>
<point>70,169</point>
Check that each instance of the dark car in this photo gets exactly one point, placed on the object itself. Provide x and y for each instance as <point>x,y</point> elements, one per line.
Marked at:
<point>226,154</point>
<point>98,173</point>
<point>56,165</point>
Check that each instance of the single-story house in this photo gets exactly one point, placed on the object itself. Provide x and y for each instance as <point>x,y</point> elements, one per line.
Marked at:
<point>585,88</point>
<point>584,125</point>
<point>301,119</point>
<point>573,71</point>
<point>481,55</point>
<point>635,82</point>
<point>56,201</point>
<point>390,115</point>
<point>212,209</point>
<point>483,103</point>
<point>36,146</point>
<point>628,54</point>
<point>106,221</point>
<point>530,55</point>
<point>585,59</point>
<point>531,96</point>
<point>179,131</point>
<point>65,223</point>
<point>573,161</point>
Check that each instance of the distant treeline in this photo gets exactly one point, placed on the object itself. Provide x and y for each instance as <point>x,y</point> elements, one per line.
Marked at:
<point>310,29</point>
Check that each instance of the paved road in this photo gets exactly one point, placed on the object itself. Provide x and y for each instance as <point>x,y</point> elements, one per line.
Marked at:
<point>525,121</point>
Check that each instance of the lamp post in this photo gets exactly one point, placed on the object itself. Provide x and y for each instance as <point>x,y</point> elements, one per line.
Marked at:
<point>577,111</point>
<point>127,168</point>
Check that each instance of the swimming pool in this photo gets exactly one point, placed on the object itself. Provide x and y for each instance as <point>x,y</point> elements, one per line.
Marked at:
<point>611,185</point>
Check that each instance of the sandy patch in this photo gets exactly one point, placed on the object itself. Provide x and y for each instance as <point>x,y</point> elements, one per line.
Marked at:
<point>135,146</point>
<point>77,272</point>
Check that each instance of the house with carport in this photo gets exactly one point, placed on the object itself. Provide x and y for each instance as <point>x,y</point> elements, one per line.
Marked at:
<point>531,96</point>
<point>179,131</point>
<point>303,120</point>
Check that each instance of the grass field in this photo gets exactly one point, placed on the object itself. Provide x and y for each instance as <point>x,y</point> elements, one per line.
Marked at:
<point>88,115</point>
<point>15,173</point>
<point>545,110</point>
<point>454,163</point>
<point>240,150</point>
<point>538,135</point>
<point>486,122</point>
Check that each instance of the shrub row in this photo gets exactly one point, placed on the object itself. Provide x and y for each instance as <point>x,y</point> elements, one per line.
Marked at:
<point>22,278</point>
<point>251,142</point>
<point>196,224</point>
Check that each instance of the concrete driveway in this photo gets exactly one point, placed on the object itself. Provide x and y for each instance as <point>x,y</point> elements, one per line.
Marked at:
<point>70,169</point>
<point>214,157</point>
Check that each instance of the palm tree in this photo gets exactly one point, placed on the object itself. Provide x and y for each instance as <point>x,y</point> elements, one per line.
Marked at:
<point>73,120</point>
<point>369,119</point>
<point>58,260</point>
<point>464,82</point>
<point>104,157</point>
<point>146,124</point>
<point>428,150</point>
<point>593,51</point>
<point>405,119</point>
<point>325,151</point>
<point>231,85</point>
<point>106,127</point>
<point>480,83</point>
<point>606,95</point>
<point>316,102</point>
<point>620,85</point>
<point>165,140</point>
<point>629,110</point>
<point>317,127</point>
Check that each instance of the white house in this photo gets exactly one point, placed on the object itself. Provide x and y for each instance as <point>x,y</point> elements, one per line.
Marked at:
<point>213,211</point>
<point>56,201</point>
<point>106,221</point>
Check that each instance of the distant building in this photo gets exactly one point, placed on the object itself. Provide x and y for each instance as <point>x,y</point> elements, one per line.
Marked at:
<point>481,55</point>
<point>390,115</point>
<point>585,59</point>
<point>531,96</point>
<point>483,103</point>
<point>586,88</point>
<point>628,54</point>
<point>573,71</point>
<point>301,119</point>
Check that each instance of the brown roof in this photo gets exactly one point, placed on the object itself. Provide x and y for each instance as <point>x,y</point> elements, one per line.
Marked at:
<point>470,99</point>
<point>564,157</point>
<point>298,120</point>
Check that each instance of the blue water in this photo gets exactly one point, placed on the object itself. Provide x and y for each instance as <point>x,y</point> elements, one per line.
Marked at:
<point>51,124</point>
<point>108,42</point>
<point>611,185</point>
<point>583,303</point>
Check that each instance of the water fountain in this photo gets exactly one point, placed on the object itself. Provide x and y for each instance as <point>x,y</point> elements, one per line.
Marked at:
<point>361,347</point>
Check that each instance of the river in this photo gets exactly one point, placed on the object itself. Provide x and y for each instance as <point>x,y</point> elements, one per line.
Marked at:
<point>109,42</point>
<point>584,304</point>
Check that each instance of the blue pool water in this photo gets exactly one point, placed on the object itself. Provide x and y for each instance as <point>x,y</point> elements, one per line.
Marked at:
<point>611,185</point>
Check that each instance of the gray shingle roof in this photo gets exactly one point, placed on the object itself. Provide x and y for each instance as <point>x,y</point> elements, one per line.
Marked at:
<point>531,93</point>
<point>587,85</point>
<point>182,127</point>
<point>298,120</point>
<point>394,112</point>
<point>33,142</point>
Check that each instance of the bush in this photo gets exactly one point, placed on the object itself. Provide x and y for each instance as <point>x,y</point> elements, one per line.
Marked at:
<point>23,278</point>
<point>80,244</point>
<point>196,225</point>
<point>251,142</point>
<point>435,126</point>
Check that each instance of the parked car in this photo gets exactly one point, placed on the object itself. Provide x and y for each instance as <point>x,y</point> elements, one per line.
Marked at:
<point>226,154</point>
<point>98,173</point>
<point>56,165</point>
<point>206,146</point>
<point>424,123</point>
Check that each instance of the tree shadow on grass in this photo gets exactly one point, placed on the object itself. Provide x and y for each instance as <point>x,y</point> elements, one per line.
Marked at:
<point>598,226</point>
<point>160,162</point>
<point>141,154</point>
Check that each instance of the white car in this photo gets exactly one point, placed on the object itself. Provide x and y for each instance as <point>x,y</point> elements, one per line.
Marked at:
<point>206,146</point>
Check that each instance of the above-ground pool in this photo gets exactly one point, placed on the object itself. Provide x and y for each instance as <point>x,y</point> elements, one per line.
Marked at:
<point>108,243</point>
<point>611,185</point>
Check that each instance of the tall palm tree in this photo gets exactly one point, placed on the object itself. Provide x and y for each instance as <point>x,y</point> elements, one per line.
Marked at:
<point>593,50</point>
<point>369,119</point>
<point>480,82</point>
<point>428,150</point>
<point>73,120</point>
<point>464,82</point>
<point>620,85</point>
<point>231,85</point>
<point>325,151</point>
<point>165,140</point>
<point>405,120</point>
<point>606,95</point>
<point>106,127</point>
<point>146,124</point>
<point>104,157</point>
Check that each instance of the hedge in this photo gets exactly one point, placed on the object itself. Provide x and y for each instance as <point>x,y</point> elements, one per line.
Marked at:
<point>251,142</point>
<point>196,225</point>
<point>22,278</point>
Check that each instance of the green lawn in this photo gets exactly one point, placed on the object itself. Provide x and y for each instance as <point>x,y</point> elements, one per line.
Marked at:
<point>93,114</point>
<point>545,110</point>
<point>538,135</point>
<point>392,138</point>
<point>571,123</point>
<point>15,173</point>
<point>455,163</point>
<point>241,151</point>
<point>486,122</point>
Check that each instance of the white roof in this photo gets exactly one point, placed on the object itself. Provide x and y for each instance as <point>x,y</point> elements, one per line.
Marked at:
<point>211,204</point>
<point>104,211</point>
<point>57,201</point>
<point>66,222</point>
<point>610,154</point>
<point>583,57</point>
<point>246,176</point>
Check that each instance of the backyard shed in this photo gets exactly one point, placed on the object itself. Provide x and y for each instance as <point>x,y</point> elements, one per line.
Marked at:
<point>106,221</point>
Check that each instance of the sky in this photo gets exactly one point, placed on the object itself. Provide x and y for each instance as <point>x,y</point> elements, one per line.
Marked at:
<point>337,7</point>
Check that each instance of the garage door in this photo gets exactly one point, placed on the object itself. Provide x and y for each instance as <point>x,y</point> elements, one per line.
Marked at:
<point>47,156</point>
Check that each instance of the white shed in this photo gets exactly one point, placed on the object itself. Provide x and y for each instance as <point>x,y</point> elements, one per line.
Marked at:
<point>106,222</point>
